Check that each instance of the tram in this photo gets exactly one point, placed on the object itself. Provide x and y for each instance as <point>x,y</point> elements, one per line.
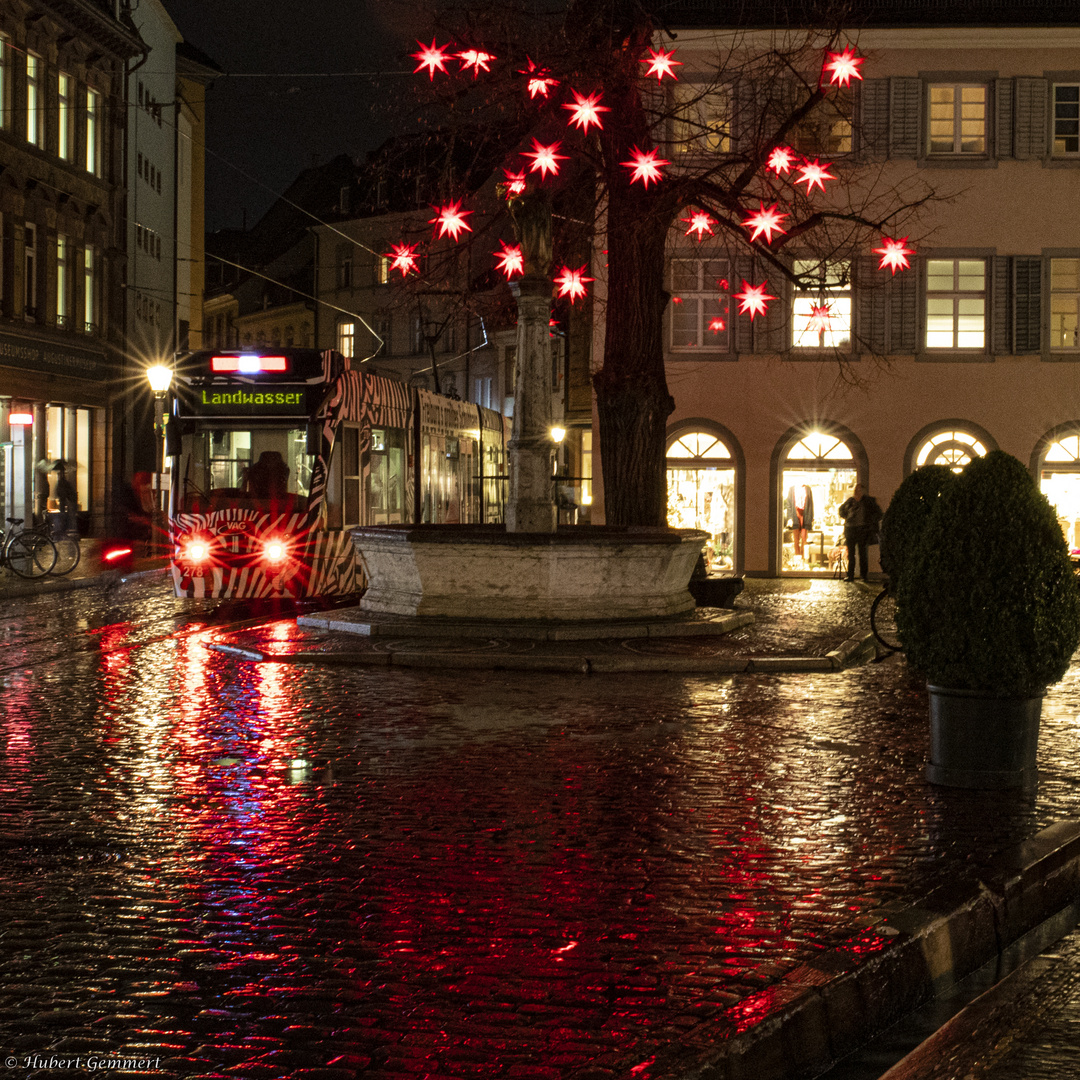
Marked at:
<point>273,457</point>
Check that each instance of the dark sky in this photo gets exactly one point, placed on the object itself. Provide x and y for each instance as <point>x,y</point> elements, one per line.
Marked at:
<point>298,89</point>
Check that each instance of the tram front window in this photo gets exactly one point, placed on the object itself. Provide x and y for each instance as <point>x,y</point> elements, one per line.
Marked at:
<point>250,467</point>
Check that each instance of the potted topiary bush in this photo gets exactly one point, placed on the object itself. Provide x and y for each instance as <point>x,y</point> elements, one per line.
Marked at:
<point>989,610</point>
<point>907,515</point>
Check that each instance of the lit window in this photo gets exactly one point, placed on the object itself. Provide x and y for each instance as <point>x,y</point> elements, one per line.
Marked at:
<point>702,119</point>
<point>93,132</point>
<point>1064,303</point>
<point>821,308</point>
<point>346,338</point>
<point>65,128</point>
<point>1066,120</point>
<point>63,280</point>
<point>90,290</point>
<point>382,269</point>
<point>35,127</point>
<point>955,304</point>
<point>700,305</point>
<point>952,448</point>
<point>957,119</point>
<point>827,129</point>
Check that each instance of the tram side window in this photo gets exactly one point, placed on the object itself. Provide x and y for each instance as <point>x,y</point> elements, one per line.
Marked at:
<point>386,477</point>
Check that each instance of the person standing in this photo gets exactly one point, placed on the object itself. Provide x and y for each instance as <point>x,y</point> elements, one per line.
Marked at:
<point>861,515</point>
<point>68,500</point>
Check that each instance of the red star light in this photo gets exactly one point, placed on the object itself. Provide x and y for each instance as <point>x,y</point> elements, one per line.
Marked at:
<point>644,167</point>
<point>475,59</point>
<point>820,321</point>
<point>572,282</point>
<point>515,183</point>
<point>699,222</point>
<point>539,80</point>
<point>843,67</point>
<point>717,325</point>
<point>510,261</point>
<point>586,110</point>
<point>753,300</point>
<point>433,57</point>
<point>661,64</point>
<point>765,221</point>
<point>403,258</point>
<point>545,159</point>
<point>894,254</point>
<point>813,172</point>
<point>451,220</point>
<point>781,160</point>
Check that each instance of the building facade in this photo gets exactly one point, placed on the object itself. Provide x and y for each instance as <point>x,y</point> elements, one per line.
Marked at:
<point>975,347</point>
<point>62,204</point>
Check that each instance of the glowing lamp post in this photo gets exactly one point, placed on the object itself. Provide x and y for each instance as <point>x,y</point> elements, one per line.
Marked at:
<point>160,379</point>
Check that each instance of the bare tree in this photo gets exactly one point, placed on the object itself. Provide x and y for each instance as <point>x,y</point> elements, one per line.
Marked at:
<point>637,155</point>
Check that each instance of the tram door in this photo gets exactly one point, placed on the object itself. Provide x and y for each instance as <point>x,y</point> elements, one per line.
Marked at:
<point>386,477</point>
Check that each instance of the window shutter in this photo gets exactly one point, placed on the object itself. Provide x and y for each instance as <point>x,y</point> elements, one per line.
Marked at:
<point>1003,118</point>
<point>1030,121</point>
<point>871,285</point>
<point>744,331</point>
<point>1000,309</point>
<point>904,311</point>
<point>905,103</point>
<point>1027,299</point>
<point>874,117</point>
<point>774,327</point>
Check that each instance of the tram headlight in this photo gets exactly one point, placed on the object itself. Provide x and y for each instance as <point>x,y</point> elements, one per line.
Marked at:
<point>274,551</point>
<point>196,550</point>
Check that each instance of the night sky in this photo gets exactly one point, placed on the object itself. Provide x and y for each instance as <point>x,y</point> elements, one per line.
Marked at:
<point>299,89</point>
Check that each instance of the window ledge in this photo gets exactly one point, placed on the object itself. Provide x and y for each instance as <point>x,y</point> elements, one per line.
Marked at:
<point>957,161</point>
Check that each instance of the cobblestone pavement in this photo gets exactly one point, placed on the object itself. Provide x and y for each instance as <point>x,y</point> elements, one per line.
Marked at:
<point>271,870</point>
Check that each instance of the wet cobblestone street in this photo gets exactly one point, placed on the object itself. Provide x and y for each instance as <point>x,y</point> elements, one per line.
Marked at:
<point>273,870</point>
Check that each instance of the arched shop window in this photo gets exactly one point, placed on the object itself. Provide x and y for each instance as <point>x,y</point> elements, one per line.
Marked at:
<point>954,448</point>
<point>701,493</point>
<point>1059,481</point>
<point>819,473</point>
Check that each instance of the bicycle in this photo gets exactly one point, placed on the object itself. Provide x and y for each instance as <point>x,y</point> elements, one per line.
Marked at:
<point>883,620</point>
<point>68,553</point>
<point>27,553</point>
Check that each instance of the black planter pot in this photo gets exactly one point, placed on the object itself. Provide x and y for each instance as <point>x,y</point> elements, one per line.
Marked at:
<point>982,742</point>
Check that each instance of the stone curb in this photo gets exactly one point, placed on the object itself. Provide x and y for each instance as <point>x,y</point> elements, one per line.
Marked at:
<point>581,664</point>
<point>65,584</point>
<point>822,1011</point>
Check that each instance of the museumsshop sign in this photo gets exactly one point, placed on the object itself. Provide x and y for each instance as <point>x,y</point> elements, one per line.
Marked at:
<point>55,358</point>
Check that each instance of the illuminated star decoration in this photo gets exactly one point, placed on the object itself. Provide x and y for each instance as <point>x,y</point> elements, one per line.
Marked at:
<point>572,282</point>
<point>644,167</point>
<point>894,254</point>
<point>820,321</point>
<point>515,183</point>
<point>843,67</point>
<point>661,64</point>
<point>586,110</point>
<point>403,258</point>
<point>753,300</point>
<point>451,219</point>
<point>813,172</point>
<point>781,160</point>
<point>475,59</point>
<point>699,222</point>
<point>510,260</point>
<point>765,221</point>
<point>539,80</point>
<point>545,159</point>
<point>433,57</point>
<point>717,325</point>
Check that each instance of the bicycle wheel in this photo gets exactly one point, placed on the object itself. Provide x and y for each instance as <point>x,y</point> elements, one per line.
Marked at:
<point>68,553</point>
<point>30,555</point>
<point>883,621</point>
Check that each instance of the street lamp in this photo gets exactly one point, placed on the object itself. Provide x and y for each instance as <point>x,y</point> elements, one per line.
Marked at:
<point>160,379</point>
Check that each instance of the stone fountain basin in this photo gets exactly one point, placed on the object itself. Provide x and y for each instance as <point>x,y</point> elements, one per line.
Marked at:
<point>483,572</point>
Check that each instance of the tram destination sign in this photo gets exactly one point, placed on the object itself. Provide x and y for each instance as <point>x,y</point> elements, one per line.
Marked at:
<point>276,399</point>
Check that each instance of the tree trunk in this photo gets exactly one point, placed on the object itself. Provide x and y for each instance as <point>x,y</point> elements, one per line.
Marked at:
<point>633,400</point>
